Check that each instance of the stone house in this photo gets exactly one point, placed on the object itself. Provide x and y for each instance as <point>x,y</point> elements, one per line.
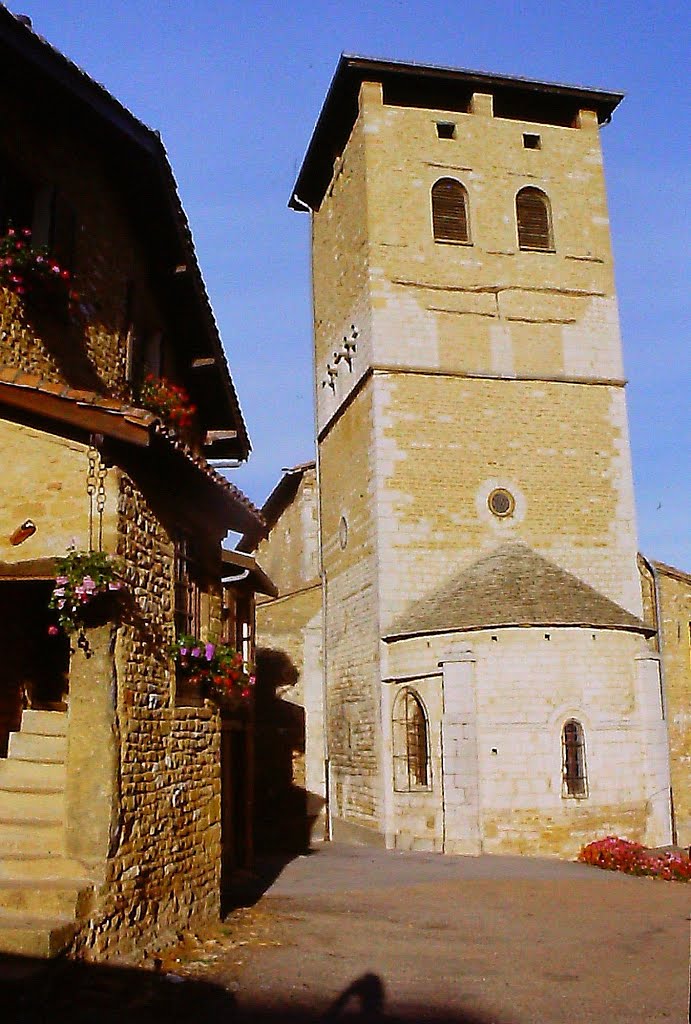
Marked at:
<point>464,552</point>
<point>111,824</point>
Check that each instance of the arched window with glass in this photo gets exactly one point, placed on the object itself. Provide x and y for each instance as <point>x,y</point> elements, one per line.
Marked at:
<point>450,222</point>
<point>574,772</point>
<point>410,744</point>
<point>534,220</point>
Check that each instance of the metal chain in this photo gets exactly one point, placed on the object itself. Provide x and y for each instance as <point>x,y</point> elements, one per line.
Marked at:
<point>91,485</point>
<point>101,499</point>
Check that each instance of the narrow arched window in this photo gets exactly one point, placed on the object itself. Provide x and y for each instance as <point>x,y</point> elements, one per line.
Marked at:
<point>450,211</point>
<point>534,220</point>
<point>574,775</point>
<point>410,744</point>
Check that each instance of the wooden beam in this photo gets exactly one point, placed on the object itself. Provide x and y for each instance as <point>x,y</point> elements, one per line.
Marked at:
<point>204,364</point>
<point>86,417</point>
<point>212,436</point>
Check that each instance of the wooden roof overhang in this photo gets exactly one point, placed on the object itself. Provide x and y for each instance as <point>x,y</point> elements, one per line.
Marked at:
<point>436,88</point>
<point>236,562</point>
<point>135,157</point>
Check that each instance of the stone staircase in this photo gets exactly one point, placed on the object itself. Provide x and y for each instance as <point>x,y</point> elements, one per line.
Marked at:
<point>42,890</point>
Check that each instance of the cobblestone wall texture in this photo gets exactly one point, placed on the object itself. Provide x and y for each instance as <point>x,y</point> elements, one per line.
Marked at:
<point>163,874</point>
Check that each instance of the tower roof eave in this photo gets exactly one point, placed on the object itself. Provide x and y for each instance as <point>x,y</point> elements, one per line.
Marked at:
<point>340,108</point>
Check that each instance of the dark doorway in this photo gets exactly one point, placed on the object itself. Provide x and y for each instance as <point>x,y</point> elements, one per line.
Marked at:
<point>236,799</point>
<point>35,666</point>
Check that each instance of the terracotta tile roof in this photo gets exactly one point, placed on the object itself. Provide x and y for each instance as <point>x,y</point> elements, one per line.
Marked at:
<point>44,386</point>
<point>96,413</point>
<point>512,586</point>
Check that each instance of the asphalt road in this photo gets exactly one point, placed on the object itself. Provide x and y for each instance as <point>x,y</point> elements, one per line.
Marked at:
<point>355,934</point>
<point>373,935</point>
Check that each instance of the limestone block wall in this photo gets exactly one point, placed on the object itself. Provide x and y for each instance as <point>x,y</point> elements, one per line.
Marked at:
<point>341,282</point>
<point>44,478</point>
<point>162,873</point>
<point>675,597</point>
<point>351,642</point>
<point>290,553</point>
<point>444,443</point>
<point>528,682</point>
<point>673,643</point>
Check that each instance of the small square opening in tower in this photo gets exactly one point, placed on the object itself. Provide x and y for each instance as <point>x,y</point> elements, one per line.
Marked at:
<point>446,129</point>
<point>531,141</point>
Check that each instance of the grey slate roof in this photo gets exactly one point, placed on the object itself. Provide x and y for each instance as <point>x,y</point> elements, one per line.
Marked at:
<point>512,586</point>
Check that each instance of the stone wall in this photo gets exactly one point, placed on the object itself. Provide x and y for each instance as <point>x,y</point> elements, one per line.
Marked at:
<point>673,621</point>
<point>525,683</point>
<point>44,478</point>
<point>162,874</point>
<point>87,350</point>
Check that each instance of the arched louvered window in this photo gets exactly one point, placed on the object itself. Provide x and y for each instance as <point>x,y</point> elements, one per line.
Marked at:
<point>410,744</point>
<point>450,211</point>
<point>574,775</point>
<point>534,220</point>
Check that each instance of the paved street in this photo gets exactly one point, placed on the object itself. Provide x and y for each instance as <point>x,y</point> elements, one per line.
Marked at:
<point>352,933</point>
<point>503,939</point>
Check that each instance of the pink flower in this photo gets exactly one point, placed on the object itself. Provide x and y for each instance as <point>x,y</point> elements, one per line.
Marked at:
<point>195,652</point>
<point>184,651</point>
<point>115,586</point>
<point>53,630</point>
<point>209,651</point>
<point>61,580</point>
<point>88,584</point>
<point>251,681</point>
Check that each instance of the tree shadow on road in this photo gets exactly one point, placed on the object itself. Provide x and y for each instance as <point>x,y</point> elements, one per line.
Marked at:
<point>75,992</point>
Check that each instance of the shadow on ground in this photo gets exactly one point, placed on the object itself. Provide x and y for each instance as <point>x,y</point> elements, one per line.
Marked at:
<point>61,991</point>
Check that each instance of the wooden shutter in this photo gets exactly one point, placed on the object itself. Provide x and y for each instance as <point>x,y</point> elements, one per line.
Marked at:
<point>532,216</point>
<point>449,211</point>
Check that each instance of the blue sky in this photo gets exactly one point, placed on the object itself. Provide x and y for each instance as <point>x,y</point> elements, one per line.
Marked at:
<point>235,89</point>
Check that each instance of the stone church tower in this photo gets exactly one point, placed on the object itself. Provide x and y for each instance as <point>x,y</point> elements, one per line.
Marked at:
<point>487,682</point>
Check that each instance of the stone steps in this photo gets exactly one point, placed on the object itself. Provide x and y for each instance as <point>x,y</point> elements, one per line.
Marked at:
<point>32,935</point>
<point>31,835</point>
<point>42,890</point>
<point>44,723</point>
<point>33,802</point>
<point>41,897</point>
<point>27,865</point>
<point>15,773</point>
<point>44,748</point>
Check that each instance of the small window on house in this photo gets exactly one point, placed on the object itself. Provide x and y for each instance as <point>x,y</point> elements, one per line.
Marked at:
<point>534,220</point>
<point>188,595</point>
<point>450,211</point>
<point>574,776</point>
<point>410,744</point>
<point>531,141</point>
<point>446,130</point>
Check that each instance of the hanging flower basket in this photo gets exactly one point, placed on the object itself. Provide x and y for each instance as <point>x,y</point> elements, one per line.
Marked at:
<point>29,271</point>
<point>82,578</point>
<point>216,671</point>
<point>169,401</point>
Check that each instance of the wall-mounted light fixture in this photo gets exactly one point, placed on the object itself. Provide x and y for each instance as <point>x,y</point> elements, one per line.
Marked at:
<point>23,532</point>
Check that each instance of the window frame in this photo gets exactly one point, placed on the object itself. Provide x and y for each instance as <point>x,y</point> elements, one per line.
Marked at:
<point>436,214</point>
<point>527,246</point>
<point>412,762</point>
<point>574,769</point>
